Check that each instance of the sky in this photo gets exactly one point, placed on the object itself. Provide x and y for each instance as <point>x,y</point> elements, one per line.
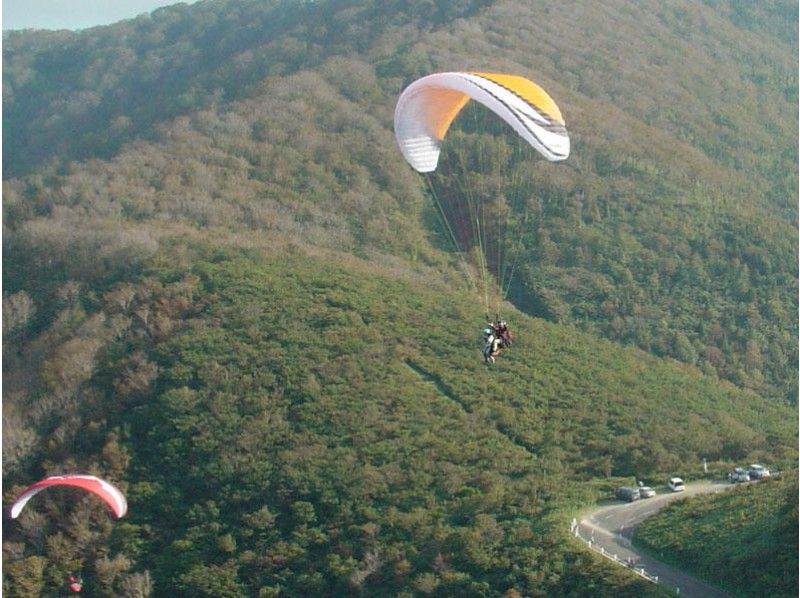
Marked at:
<point>74,14</point>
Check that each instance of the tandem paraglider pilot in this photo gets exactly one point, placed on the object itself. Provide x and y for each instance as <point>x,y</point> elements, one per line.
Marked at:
<point>501,331</point>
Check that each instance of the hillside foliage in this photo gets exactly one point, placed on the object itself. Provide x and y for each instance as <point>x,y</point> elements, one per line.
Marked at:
<point>286,426</point>
<point>672,227</point>
<point>225,290</point>
<point>744,541</point>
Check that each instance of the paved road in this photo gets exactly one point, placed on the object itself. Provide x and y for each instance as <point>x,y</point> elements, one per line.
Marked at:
<point>610,527</point>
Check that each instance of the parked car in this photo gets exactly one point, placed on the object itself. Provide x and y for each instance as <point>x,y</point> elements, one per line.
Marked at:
<point>738,475</point>
<point>646,492</point>
<point>758,472</point>
<point>676,485</point>
<point>627,493</point>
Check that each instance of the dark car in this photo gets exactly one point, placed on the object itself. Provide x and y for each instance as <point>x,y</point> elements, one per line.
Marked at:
<point>627,493</point>
<point>738,475</point>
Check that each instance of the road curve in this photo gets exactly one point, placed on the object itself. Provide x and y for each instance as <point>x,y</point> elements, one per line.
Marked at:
<point>610,528</point>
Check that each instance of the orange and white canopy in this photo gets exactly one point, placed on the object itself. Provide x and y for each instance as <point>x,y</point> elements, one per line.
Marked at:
<point>428,106</point>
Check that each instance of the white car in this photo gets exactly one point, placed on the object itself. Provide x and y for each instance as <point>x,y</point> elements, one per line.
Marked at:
<point>646,492</point>
<point>758,472</point>
<point>676,485</point>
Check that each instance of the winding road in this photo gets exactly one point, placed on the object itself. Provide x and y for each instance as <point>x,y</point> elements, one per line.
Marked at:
<point>609,529</point>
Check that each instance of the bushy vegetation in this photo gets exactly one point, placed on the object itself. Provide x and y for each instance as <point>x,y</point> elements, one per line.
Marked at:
<point>671,228</point>
<point>744,541</point>
<point>287,425</point>
<point>226,291</point>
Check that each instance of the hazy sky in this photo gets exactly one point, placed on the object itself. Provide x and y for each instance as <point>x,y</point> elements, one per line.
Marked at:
<point>74,14</point>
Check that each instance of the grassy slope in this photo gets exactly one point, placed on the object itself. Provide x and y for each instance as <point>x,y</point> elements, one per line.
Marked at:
<point>744,540</point>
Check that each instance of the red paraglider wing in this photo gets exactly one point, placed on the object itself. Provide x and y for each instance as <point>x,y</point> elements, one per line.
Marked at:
<point>109,493</point>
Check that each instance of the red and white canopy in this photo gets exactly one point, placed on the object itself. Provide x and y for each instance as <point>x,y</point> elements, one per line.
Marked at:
<point>109,493</point>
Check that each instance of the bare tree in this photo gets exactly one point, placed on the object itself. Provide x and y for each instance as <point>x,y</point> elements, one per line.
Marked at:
<point>18,309</point>
<point>136,585</point>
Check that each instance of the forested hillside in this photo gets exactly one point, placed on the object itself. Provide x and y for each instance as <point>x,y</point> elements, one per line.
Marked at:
<point>673,226</point>
<point>286,426</point>
<point>226,291</point>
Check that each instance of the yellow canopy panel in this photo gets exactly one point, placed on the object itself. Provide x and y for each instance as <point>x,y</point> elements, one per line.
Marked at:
<point>528,91</point>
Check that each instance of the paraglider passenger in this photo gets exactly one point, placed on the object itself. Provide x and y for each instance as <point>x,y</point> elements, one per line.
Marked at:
<point>491,345</point>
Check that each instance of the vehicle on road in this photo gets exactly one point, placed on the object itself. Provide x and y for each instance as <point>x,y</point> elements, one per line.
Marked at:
<point>758,472</point>
<point>627,493</point>
<point>676,485</point>
<point>646,492</point>
<point>738,475</point>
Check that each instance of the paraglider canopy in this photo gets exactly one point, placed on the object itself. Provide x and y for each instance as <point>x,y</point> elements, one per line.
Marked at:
<point>478,207</point>
<point>428,106</point>
<point>109,493</point>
